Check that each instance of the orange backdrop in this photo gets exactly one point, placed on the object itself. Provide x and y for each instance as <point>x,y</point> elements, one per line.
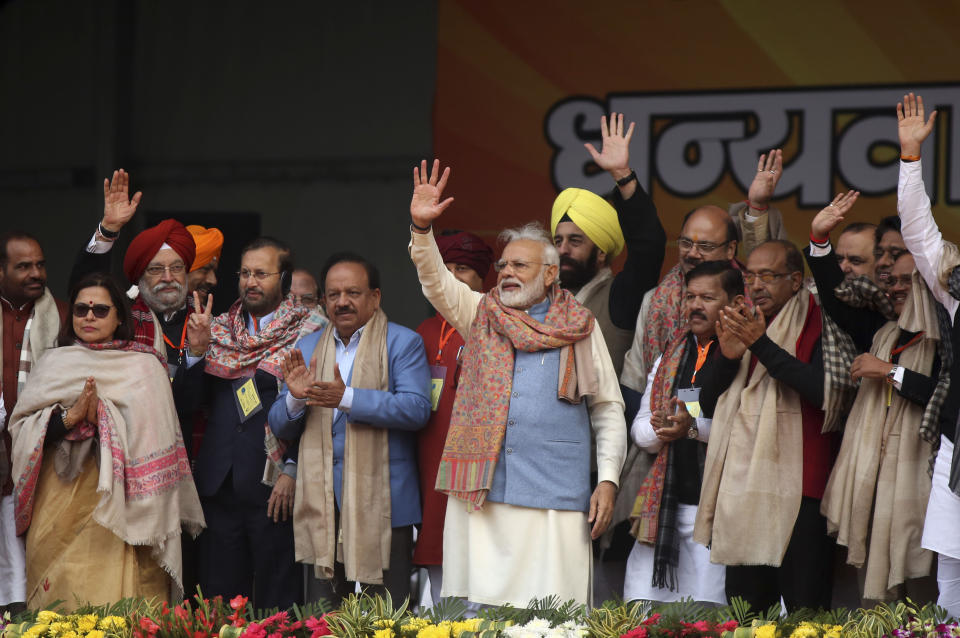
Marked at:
<point>521,85</point>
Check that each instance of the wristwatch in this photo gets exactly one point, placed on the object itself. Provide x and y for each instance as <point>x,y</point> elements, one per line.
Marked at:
<point>891,376</point>
<point>693,432</point>
<point>623,181</point>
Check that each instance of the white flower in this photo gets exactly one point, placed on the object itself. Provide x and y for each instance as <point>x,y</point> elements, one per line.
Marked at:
<point>538,624</point>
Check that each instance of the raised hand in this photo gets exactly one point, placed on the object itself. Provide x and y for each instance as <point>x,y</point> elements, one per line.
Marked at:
<point>831,216</point>
<point>731,347</point>
<point>198,326</point>
<point>614,155</point>
<point>911,127</point>
<point>118,207</point>
<point>868,366</point>
<point>425,206</point>
<point>296,375</point>
<point>769,172</point>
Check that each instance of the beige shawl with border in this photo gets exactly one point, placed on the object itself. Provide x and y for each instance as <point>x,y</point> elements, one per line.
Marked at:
<point>362,543</point>
<point>751,488</point>
<point>882,464</point>
<point>147,490</point>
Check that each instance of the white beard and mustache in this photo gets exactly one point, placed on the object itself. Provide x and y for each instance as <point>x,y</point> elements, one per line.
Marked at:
<point>525,296</point>
<point>166,301</point>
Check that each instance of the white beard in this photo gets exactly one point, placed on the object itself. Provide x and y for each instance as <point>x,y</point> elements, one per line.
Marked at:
<point>525,296</point>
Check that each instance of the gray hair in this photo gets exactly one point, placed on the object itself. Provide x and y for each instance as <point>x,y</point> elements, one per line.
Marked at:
<point>533,231</point>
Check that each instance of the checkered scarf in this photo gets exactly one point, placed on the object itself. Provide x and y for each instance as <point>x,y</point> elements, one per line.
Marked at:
<point>25,361</point>
<point>864,293</point>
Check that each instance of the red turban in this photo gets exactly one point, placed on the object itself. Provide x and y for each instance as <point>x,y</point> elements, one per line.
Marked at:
<point>147,244</point>
<point>467,249</point>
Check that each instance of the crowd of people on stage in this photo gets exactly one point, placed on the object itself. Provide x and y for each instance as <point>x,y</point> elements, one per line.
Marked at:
<point>732,429</point>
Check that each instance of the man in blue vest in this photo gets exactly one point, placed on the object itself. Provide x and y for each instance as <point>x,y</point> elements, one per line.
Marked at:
<point>536,381</point>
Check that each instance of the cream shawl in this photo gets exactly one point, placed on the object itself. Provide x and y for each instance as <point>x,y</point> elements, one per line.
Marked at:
<point>146,487</point>
<point>751,488</point>
<point>362,543</point>
<point>883,463</point>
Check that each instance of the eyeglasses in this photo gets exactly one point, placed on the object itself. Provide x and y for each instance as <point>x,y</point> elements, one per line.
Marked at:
<point>305,300</point>
<point>903,280</point>
<point>519,267</point>
<point>259,275</point>
<point>894,252</point>
<point>765,277</point>
<point>175,269</point>
<point>100,310</point>
<point>702,246</point>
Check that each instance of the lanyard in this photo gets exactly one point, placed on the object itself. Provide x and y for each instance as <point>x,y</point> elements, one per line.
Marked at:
<point>183,338</point>
<point>900,349</point>
<point>701,359</point>
<point>445,336</point>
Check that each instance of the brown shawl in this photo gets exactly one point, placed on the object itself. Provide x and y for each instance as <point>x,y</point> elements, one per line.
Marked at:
<point>362,543</point>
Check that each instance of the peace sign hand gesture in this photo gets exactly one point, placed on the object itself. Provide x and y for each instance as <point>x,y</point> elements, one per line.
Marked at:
<point>198,326</point>
<point>425,206</point>
<point>118,207</point>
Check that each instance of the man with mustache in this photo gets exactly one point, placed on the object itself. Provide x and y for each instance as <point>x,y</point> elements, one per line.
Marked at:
<point>886,449</point>
<point>157,261</point>
<point>673,422</point>
<point>203,271</point>
<point>589,233</point>
<point>30,326</point>
<point>536,379</point>
<point>890,246</point>
<point>248,545</point>
<point>768,459</point>
<point>355,397</point>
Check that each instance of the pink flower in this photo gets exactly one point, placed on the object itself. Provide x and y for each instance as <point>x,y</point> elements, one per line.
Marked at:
<point>730,625</point>
<point>238,602</point>
<point>149,626</point>
<point>254,630</point>
<point>638,632</point>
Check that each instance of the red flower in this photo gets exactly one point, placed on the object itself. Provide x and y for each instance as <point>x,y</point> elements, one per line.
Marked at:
<point>638,632</point>
<point>200,634</point>
<point>730,625</point>
<point>238,602</point>
<point>652,620</point>
<point>149,626</point>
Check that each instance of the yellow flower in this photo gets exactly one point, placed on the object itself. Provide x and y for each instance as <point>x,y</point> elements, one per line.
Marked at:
<point>384,623</point>
<point>96,633</point>
<point>766,631</point>
<point>87,623</point>
<point>438,631</point>
<point>471,624</point>
<point>70,634</point>
<point>37,630</point>
<point>46,616</point>
<point>415,624</point>
<point>60,628</point>
<point>113,623</point>
<point>383,633</point>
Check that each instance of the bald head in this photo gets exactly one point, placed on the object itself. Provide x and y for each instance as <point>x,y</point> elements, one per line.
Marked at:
<point>708,234</point>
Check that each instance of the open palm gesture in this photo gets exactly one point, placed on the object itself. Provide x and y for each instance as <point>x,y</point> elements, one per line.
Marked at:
<point>614,155</point>
<point>425,206</point>
<point>118,206</point>
<point>831,216</point>
<point>769,172</point>
<point>912,127</point>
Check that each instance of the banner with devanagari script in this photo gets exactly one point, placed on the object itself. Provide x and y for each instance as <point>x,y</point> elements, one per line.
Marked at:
<point>521,87</point>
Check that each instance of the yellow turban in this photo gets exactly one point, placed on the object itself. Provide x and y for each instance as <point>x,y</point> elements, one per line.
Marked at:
<point>593,215</point>
<point>209,243</point>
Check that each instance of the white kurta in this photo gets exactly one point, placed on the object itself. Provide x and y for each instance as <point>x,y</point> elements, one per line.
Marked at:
<point>13,564</point>
<point>504,553</point>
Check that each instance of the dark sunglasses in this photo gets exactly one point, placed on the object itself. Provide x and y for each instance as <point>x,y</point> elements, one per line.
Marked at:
<point>100,310</point>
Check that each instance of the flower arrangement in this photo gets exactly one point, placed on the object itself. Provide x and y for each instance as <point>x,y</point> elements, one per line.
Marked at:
<point>542,628</point>
<point>50,624</point>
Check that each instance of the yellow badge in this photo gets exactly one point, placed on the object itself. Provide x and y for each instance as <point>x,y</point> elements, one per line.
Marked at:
<point>248,398</point>
<point>436,389</point>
